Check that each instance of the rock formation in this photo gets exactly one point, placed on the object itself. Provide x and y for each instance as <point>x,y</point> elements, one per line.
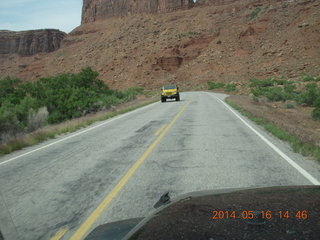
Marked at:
<point>31,42</point>
<point>93,10</point>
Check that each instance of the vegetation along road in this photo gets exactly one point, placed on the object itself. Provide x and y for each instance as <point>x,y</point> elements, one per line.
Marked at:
<point>117,169</point>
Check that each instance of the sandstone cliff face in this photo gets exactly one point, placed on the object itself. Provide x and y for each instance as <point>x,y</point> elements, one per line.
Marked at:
<point>93,10</point>
<point>27,43</point>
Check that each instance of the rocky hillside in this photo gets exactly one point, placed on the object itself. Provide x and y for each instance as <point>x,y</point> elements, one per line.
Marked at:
<point>219,40</point>
<point>30,42</point>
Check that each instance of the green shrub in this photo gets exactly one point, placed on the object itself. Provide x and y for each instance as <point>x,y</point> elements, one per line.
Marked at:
<point>11,90</point>
<point>269,88</point>
<point>110,100</point>
<point>259,91</point>
<point>316,111</point>
<point>289,90</point>
<point>131,93</point>
<point>72,95</point>
<point>26,106</point>
<point>213,85</point>
<point>9,123</point>
<point>275,94</point>
<point>230,87</point>
<point>310,95</point>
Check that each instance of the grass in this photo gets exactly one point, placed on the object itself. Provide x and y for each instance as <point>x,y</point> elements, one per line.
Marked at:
<point>298,146</point>
<point>65,127</point>
<point>213,85</point>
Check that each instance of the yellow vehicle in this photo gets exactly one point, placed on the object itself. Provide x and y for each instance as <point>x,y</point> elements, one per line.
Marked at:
<point>170,92</point>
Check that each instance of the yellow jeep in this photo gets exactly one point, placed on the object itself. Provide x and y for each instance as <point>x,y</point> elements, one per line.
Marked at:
<point>170,92</point>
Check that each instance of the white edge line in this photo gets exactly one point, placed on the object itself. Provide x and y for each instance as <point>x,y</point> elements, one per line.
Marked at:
<point>74,135</point>
<point>277,150</point>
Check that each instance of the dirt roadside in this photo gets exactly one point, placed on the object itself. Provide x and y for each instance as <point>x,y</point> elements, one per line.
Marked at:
<point>296,121</point>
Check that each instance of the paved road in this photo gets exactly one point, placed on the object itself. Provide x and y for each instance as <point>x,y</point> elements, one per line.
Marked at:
<point>202,145</point>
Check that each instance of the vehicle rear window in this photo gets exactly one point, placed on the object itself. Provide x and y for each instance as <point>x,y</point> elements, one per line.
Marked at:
<point>169,87</point>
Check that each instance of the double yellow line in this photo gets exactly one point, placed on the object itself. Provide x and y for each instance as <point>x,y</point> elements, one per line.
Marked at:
<point>59,234</point>
<point>87,224</point>
<point>160,130</point>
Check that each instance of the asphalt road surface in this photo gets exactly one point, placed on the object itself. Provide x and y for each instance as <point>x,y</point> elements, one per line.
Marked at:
<point>118,169</point>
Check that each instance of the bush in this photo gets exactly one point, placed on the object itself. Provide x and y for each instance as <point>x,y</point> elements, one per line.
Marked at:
<point>213,85</point>
<point>26,106</point>
<point>310,95</point>
<point>259,91</point>
<point>269,88</point>
<point>262,88</point>
<point>316,111</point>
<point>110,100</point>
<point>11,90</point>
<point>37,119</point>
<point>230,87</point>
<point>275,94</point>
<point>73,95</point>
<point>9,123</point>
<point>289,90</point>
<point>131,93</point>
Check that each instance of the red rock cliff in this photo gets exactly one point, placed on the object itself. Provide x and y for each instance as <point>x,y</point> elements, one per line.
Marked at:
<point>30,42</point>
<point>93,10</point>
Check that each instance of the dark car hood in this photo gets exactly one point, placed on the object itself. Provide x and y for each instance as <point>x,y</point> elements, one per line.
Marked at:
<point>190,216</point>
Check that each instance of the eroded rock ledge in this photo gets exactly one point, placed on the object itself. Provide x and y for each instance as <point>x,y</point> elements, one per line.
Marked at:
<point>28,43</point>
<point>93,10</point>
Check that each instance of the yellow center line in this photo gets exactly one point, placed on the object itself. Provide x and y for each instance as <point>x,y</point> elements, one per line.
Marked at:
<point>85,226</point>
<point>159,131</point>
<point>59,234</point>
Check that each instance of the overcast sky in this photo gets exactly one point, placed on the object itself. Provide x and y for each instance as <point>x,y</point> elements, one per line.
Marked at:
<point>20,15</point>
